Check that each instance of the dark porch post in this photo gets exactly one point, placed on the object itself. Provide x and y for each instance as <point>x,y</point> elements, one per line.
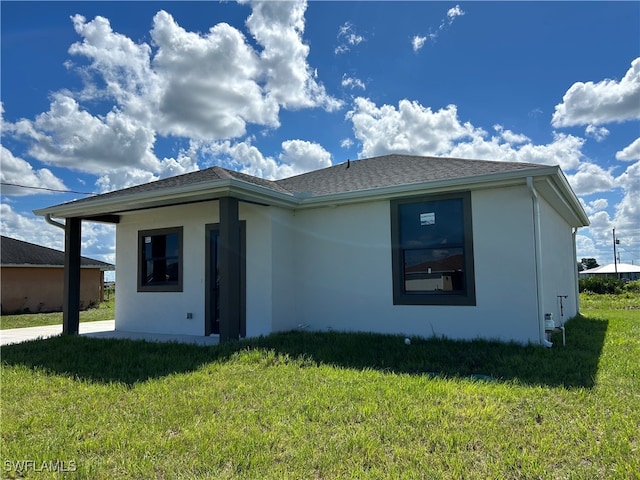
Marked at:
<point>71,300</point>
<point>229,264</point>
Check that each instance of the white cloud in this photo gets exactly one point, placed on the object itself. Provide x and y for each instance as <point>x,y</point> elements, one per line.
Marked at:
<point>603,102</point>
<point>14,170</point>
<point>627,212</point>
<point>630,152</point>
<point>585,247</point>
<point>454,12</point>
<point>209,82</point>
<point>625,219</point>
<point>564,150</point>
<point>71,137</point>
<point>98,240</point>
<point>348,38</point>
<point>346,143</point>
<point>297,156</point>
<point>511,137</point>
<point>278,27</point>
<point>411,128</point>
<point>414,129</point>
<point>597,133</point>
<point>120,63</point>
<point>304,156</point>
<point>417,42</point>
<point>591,178</point>
<point>201,86</point>
<point>352,82</point>
<point>30,228</point>
<point>594,205</point>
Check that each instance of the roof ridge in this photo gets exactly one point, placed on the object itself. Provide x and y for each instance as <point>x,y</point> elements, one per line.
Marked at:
<point>222,172</point>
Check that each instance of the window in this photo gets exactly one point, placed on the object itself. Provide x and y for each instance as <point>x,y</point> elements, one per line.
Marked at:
<point>160,260</point>
<point>432,250</point>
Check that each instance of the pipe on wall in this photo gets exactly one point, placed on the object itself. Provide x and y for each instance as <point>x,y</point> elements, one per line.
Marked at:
<point>51,221</point>
<point>575,270</point>
<point>537,241</point>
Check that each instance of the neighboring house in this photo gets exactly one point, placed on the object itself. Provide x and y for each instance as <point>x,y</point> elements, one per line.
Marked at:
<point>393,244</point>
<point>623,271</point>
<point>32,278</point>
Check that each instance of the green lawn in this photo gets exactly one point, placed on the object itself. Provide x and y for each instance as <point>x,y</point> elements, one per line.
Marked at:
<point>331,405</point>
<point>104,311</point>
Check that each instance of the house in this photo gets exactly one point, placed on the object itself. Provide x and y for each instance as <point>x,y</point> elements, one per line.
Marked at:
<point>393,244</point>
<point>623,271</point>
<point>33,276</point>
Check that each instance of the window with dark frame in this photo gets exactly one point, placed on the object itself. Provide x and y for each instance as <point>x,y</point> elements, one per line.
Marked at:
<point>160,260</point>
<point>432,250</point>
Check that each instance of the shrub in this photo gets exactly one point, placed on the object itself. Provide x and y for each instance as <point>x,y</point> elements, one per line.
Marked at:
<point>633,287</point>
<point>601,285</point>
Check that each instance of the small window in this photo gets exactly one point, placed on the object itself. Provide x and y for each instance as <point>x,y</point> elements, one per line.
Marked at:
<point>432,250</point>
<point>160,260</point>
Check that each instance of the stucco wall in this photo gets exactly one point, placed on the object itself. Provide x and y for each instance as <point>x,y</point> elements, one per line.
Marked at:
<point>330,268</point>
<point>163,312</point>
<point>40,289</point>
<point>166,312</point>
<point>558,265</point>
<point>344,279</point>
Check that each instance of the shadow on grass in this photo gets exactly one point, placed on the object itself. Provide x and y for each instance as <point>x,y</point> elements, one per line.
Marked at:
<point>129,362</point>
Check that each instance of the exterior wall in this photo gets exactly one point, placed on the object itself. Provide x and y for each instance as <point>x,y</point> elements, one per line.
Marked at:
<point>163,312</point>
<point>260,269</point>
<point>166,312</point>
<point>40,289</point>
<point>283,280</point>
<point>330,268</point>
<point>558,265</point>
<point>344,278</point>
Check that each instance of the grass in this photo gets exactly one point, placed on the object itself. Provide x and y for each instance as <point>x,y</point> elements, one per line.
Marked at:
<point>104,311</point>
<point>328,405</point>
<point>622,301</point>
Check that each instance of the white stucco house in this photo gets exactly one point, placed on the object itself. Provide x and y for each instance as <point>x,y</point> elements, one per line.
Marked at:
<point>394,244</point>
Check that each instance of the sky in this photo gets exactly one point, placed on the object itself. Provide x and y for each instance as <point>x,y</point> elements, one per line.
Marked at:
<point>97,96</point>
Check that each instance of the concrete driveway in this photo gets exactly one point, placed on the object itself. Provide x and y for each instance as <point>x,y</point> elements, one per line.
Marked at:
<point>101,329</point>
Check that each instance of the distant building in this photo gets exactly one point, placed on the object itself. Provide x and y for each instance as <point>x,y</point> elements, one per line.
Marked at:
<point>624,271</point>
<point>32,278</point>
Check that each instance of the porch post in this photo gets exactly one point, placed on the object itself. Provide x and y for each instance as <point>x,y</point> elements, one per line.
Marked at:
<point>71,299</point>
<point>229,265</point>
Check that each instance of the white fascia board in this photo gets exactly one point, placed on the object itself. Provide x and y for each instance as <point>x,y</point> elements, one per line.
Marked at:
<point>170,196</point>
<point>557,192</point>
<point>477,182</point>
<point>571,198</point>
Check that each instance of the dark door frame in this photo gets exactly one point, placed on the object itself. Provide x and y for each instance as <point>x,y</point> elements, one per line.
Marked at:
<point>242,287</point>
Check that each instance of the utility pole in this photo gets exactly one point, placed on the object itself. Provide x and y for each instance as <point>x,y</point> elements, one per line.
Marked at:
<point>615,257</point>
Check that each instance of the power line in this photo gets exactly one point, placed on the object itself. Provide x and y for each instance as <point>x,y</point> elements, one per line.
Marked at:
<point>45,188</point>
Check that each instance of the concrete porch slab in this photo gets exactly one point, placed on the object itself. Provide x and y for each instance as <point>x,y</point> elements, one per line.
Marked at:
<point>101,329</point>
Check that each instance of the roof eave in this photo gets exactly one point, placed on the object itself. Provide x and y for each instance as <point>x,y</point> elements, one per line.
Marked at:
<point>475,182</point>
<point>171,196</point>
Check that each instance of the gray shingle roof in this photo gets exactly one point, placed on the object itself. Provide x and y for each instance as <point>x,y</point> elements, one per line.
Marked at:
<point>18,252</point>
<point>369,173</point>
<point>391,170</point>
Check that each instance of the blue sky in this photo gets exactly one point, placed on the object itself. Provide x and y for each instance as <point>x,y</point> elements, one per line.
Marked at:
<point>98,96</point>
